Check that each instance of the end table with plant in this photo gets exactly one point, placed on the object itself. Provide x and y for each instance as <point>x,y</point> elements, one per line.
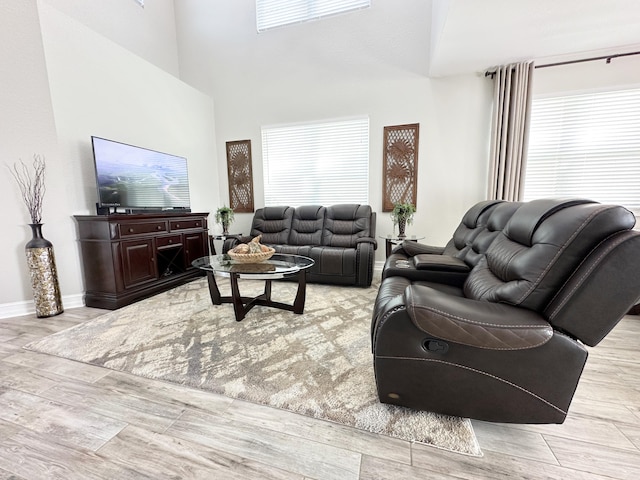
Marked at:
<point>402,215</point>
<point>224,217</point>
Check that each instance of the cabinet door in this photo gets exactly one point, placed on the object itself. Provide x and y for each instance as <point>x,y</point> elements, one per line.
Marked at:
<point>195,246</point>
<point>138,260</point>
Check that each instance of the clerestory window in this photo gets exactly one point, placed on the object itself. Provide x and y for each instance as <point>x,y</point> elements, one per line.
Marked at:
<point>276,13</point>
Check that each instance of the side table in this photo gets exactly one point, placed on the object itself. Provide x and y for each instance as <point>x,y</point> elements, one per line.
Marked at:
<point>220,236</point>
<point>393,240</point>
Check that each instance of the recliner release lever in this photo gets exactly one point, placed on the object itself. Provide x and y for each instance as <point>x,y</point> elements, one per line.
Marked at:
<point>435,345</point>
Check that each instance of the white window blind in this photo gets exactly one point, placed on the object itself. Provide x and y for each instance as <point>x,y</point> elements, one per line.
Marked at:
<point>276,13</point>
<point>586,145</point>
<point>323,163</point>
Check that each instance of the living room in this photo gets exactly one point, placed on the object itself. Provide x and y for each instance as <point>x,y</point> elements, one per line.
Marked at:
<point>185,77</point>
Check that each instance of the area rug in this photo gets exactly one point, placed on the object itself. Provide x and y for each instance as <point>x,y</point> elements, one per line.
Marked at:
<point>317,364</point>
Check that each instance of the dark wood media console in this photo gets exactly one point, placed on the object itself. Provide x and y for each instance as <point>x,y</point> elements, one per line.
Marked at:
<point>127,258</point>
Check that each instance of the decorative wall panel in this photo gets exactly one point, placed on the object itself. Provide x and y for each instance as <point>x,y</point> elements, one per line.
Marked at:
<point>400,165</point>
<point>240,176</point>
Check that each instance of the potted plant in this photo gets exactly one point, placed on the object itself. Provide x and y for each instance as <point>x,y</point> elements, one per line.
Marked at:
<point>402,214</point>
<point>224,217</point>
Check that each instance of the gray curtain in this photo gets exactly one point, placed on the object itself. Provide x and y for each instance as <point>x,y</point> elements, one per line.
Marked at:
<point>509,130</point>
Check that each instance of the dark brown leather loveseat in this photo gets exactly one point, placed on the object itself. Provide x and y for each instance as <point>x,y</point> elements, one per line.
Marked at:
<point>505,340</point>
<point>339,238</point>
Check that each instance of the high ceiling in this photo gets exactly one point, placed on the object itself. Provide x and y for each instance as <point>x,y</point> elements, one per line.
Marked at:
<point>434,38</point>
<point>472,35</point>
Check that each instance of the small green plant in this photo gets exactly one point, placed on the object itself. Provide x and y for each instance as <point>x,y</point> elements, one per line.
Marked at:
<point>224,217</point>
<point>403,212</point>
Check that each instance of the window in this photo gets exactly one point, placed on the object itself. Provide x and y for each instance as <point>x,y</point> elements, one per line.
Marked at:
<point>276,13</point>
<point>586,145</point>
<point>321,163</point>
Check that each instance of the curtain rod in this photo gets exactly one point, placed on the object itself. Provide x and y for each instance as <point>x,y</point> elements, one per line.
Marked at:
<point>608,58</point>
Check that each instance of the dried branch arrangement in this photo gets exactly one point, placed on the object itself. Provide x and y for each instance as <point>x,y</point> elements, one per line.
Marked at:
<point>31,185</point>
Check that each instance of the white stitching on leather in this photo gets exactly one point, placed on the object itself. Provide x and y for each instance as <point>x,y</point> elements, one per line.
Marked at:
<point>481,324</point>
<point>581,280</point>
<point>560,251</point>
<point>578,268</point>
<point>381,321</point>
<point>510,327</point>
<point>481,373</point>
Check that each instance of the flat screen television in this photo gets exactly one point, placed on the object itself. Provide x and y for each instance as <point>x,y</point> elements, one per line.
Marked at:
<point>138,179</point>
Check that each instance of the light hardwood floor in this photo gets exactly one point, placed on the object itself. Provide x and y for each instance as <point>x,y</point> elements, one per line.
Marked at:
<point>60,419</point>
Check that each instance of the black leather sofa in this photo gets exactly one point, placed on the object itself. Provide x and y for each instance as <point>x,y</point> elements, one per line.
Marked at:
<point>505,340</point>
<point>453,262</point>
<point>339,238</point>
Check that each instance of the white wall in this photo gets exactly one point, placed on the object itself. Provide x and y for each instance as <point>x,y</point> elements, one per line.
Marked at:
<point>91,86</point>
<point>26,128</point>
<point>343,66</point>
<point>91,83</point>
<point>149,32</point>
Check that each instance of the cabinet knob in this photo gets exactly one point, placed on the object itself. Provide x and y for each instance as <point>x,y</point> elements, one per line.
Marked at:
<point>130,230</point>
<point>170,240</point>
<point>197,224</point>
<point>159,227</point>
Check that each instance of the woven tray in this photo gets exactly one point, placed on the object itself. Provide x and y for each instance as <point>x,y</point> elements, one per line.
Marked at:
<point>252,257</point>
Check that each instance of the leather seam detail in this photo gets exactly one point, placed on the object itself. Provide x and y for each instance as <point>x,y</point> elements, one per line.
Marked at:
<point>474,322</point>
<point>581,280</point>
<point>561,250</point>
<point>482,324</point>
<point>537,397</point>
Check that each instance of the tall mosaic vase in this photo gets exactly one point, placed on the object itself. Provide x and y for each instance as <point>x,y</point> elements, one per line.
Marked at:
<point>402,225</point>
<point>44,276</point>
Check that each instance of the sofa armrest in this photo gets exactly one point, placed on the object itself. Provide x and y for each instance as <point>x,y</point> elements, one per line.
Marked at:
<point>370,240</point>
<point>475,323</point>
<point>411,248</point>
<point>440,263</point>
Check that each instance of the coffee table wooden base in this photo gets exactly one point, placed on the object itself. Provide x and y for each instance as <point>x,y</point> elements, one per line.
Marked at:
<point>242,305</point>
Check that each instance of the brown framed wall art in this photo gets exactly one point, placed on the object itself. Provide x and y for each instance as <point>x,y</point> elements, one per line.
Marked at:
<point>240,176</point>
<point>400,168</point>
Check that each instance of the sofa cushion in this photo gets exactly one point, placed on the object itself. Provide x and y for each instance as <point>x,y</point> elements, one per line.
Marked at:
<point>540,247</point>
<point>497,221</point>
<point>472,223</point>
<point>334,263</point>
<point>345,224</point>
<point>273,223</point>
<point>307,225</point>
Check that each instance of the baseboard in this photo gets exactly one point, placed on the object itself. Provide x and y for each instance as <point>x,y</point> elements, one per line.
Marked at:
<point>18,309</point>
<point>377,268</point>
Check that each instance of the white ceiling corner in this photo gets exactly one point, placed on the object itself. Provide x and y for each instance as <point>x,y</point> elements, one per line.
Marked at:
<point>474,35</point>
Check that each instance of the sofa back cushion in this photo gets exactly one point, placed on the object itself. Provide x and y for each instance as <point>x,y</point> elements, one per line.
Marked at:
<point>307,225</point>
<point>601,290</point>
<point>473,221</point>
<point>540,247</point>
<point>499,216</point>
<point>273,223</point>
<point>344,224</point>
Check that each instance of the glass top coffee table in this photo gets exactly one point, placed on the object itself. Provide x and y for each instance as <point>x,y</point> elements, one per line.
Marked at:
<point>278,266</point>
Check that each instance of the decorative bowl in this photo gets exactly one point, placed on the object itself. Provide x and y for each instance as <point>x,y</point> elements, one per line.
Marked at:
<point>252,257</point>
